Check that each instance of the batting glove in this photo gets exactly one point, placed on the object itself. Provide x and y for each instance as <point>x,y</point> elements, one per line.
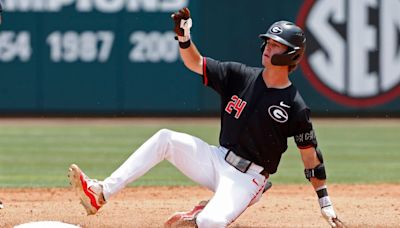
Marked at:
<point>183,23</point>
<point>326,208</point>
<point>330,216</point>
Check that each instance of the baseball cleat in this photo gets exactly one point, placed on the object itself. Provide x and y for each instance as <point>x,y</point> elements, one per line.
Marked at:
<point>89,190</point>
<point>187,218</point>
<point>267,186</point>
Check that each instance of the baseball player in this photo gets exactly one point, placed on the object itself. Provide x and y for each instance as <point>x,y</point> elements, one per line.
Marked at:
<point>260,109</point>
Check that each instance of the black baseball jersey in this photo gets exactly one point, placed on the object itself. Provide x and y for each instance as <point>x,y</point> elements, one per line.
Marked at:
<point>256,120</point>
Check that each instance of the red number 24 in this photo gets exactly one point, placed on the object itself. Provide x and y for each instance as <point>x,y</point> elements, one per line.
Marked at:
<point>235,104</point>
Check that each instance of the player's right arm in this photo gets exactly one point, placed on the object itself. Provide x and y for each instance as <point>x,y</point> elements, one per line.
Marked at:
<point>190,55</point>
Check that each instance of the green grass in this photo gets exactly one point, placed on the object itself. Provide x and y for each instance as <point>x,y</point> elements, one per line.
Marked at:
<point>362,151</point>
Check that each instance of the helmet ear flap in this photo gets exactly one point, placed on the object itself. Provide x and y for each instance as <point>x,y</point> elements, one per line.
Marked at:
<point>281,60</point>
<point>292,57</point>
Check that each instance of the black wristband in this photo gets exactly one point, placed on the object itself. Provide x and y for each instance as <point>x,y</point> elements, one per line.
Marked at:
<point>185,44</point>
<point>322,193</point>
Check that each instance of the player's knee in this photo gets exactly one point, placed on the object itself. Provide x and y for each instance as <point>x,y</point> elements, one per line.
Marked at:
<point>164,135</point>
<point>203,221</point>
<point>160,142</point>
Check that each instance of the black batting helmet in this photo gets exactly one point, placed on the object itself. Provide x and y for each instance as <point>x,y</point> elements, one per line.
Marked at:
<point>289,34</point>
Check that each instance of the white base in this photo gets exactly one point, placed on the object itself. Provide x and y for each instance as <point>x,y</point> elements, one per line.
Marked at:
<point>46,224</point>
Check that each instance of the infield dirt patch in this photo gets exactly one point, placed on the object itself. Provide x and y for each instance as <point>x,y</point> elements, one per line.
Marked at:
<point>281,206</point>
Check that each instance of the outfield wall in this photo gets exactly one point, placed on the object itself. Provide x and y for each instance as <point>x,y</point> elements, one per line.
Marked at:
<point>118,57</point>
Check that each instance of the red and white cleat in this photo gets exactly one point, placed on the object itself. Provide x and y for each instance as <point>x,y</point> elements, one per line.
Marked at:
<point>90,191</point>
<point>187,218</point>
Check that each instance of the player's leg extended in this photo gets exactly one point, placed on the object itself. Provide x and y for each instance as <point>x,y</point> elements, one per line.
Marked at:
<point>235,192</point>
<point>192,156</point>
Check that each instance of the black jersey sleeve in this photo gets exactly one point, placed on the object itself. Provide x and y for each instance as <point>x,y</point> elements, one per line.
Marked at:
<point>301,125</point>
<point>216,74</point>
<point>304,134</point>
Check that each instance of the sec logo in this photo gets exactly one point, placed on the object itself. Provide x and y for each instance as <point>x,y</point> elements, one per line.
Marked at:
<point>353,54</point>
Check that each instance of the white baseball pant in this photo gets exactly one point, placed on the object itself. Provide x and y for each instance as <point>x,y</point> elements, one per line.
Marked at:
<point>202,163</point>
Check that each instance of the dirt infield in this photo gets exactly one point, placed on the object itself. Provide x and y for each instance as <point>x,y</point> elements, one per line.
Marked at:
<point>282,206</point>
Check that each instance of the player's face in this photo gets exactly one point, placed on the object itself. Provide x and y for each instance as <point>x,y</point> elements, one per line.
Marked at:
<point>272,48</point>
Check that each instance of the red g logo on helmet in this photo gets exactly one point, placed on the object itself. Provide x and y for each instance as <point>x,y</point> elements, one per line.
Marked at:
<point>353,50</point>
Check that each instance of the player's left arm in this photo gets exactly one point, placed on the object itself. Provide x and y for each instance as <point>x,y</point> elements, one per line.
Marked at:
<point>314,170</point>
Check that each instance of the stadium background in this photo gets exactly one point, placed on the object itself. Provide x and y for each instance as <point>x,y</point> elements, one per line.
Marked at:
<point>119,58</point>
